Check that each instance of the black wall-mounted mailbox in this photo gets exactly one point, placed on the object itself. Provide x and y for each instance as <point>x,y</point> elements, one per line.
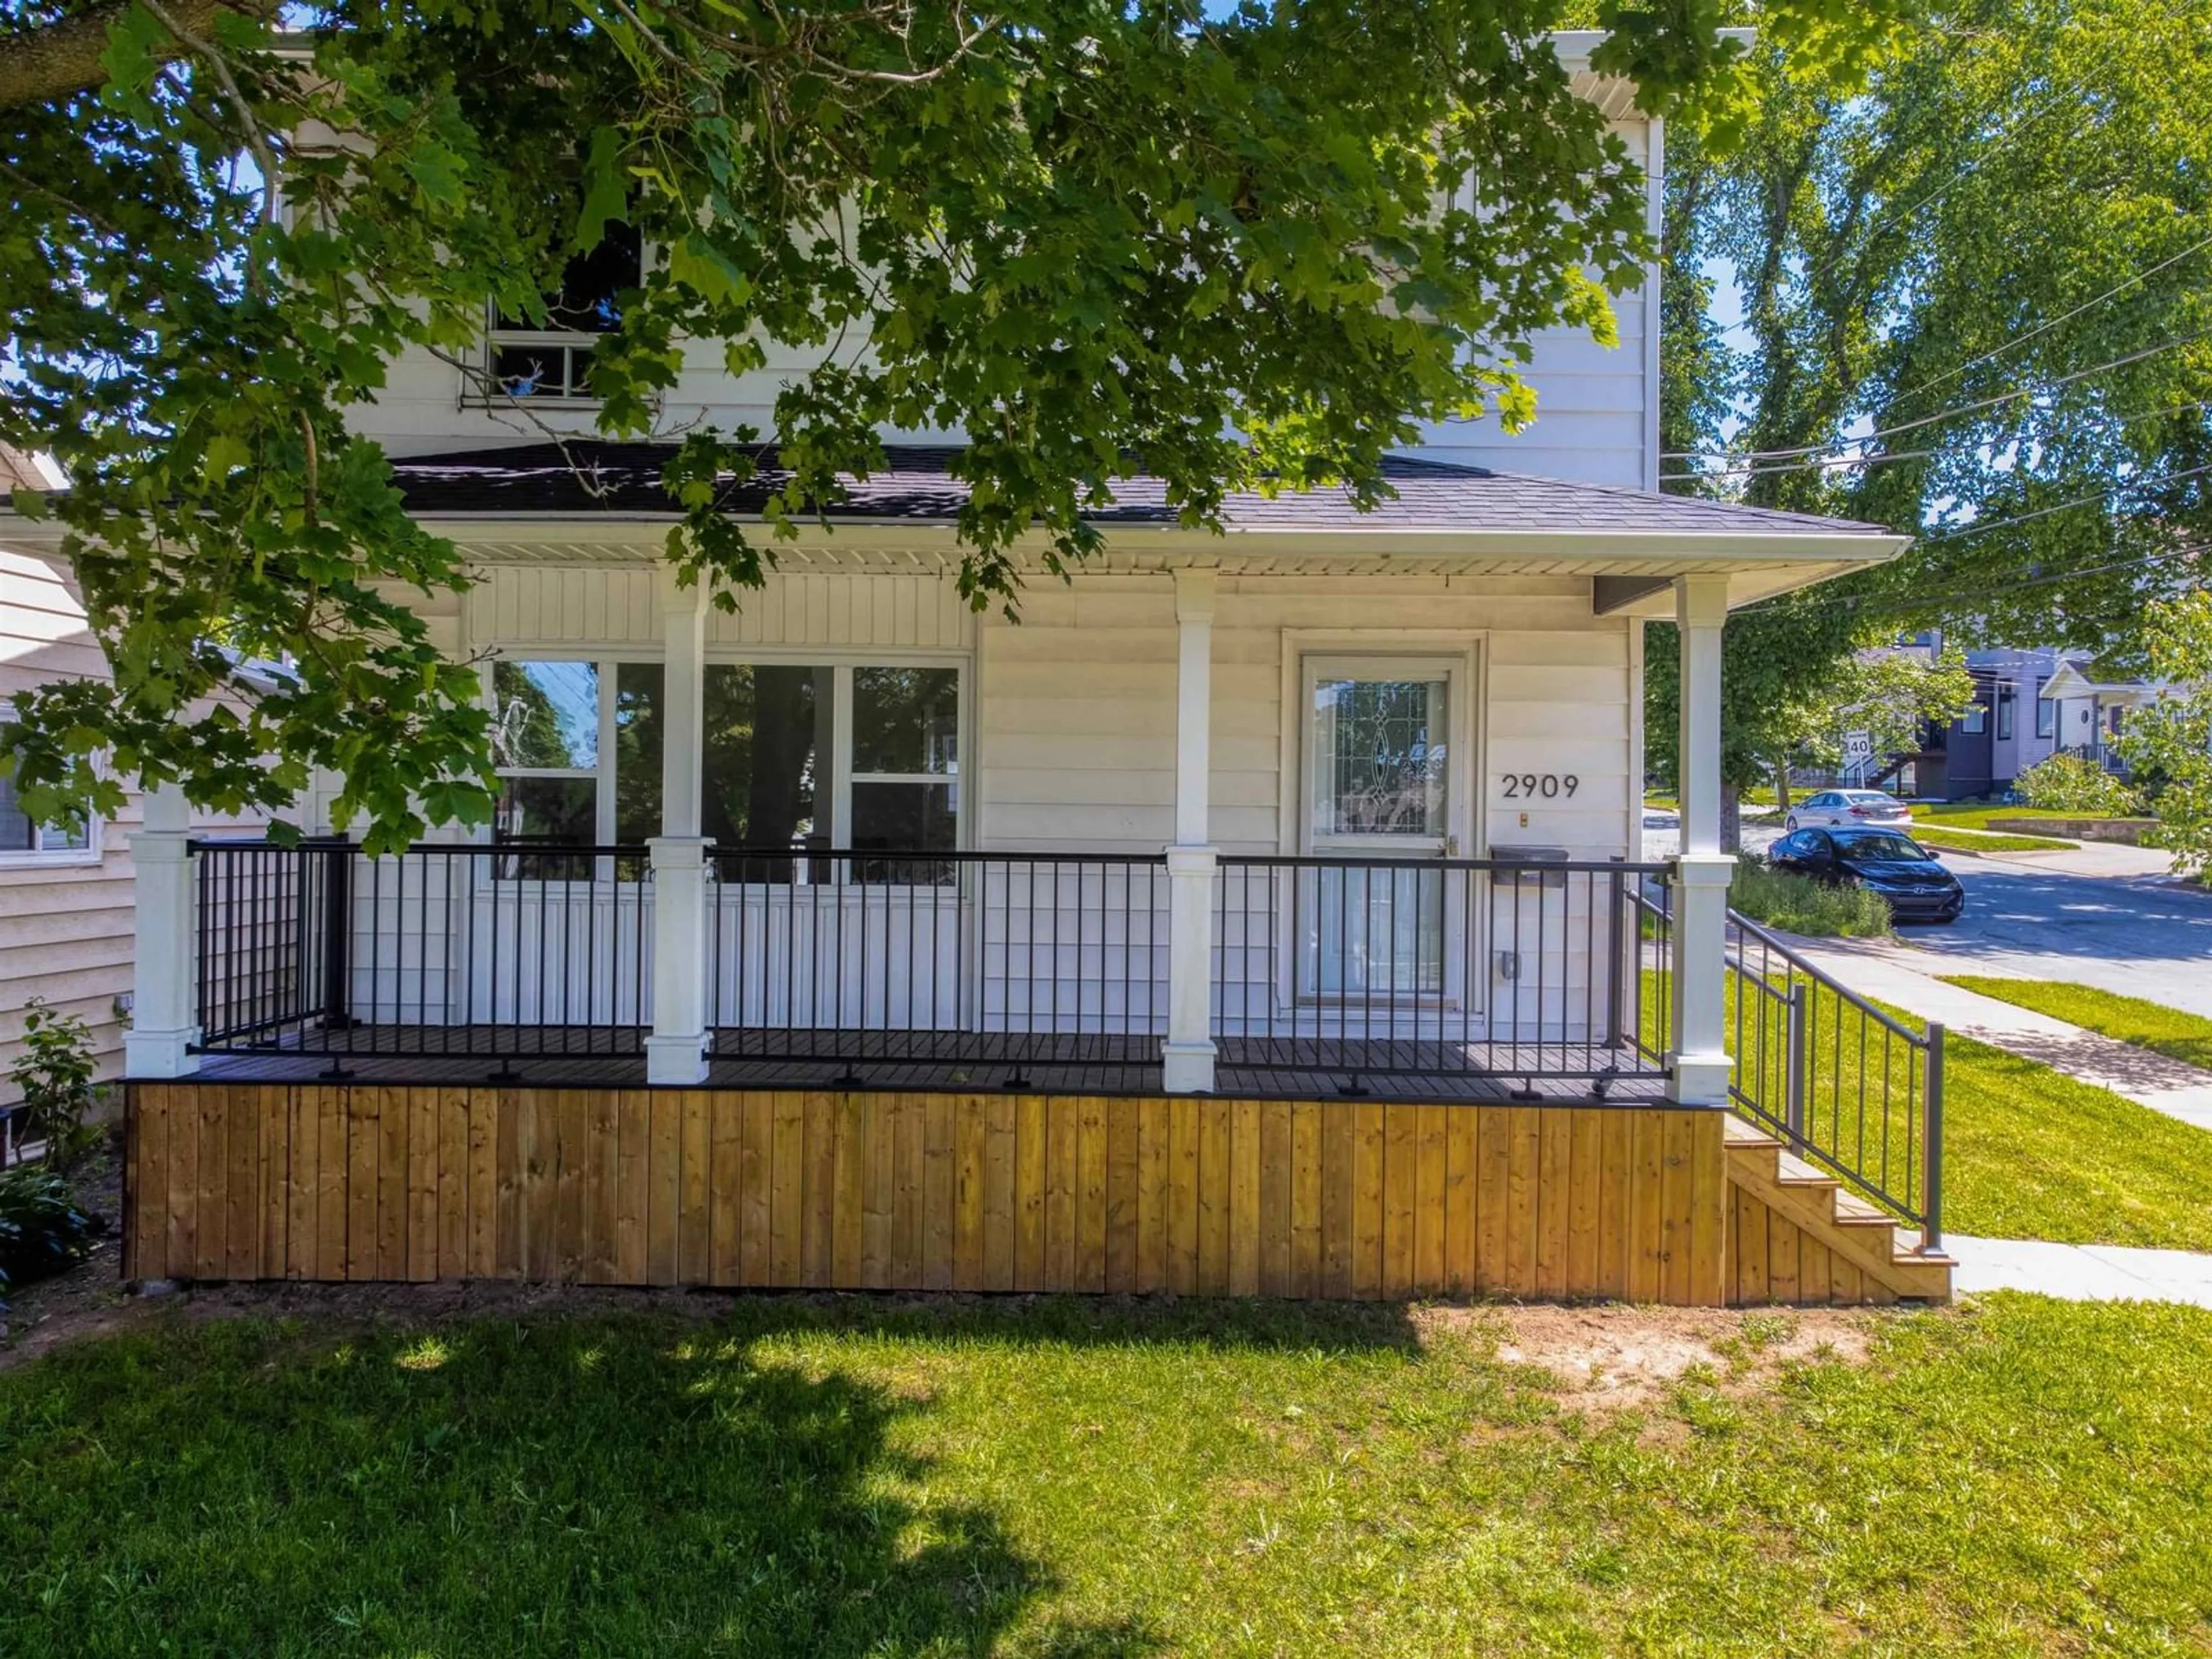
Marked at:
<point>1531,860</point>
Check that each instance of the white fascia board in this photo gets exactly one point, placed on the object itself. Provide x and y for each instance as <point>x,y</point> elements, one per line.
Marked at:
<point>1632,547</point>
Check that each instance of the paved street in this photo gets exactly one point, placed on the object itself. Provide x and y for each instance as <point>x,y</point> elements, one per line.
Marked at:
<point>2100,915</point>
<point>2139,935</point>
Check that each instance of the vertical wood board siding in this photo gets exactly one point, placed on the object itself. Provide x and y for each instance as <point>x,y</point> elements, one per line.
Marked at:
<point>893,1191</point>
<point>559,605</point>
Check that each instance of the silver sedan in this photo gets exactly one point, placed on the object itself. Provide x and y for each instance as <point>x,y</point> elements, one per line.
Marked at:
<point>1868,807</point>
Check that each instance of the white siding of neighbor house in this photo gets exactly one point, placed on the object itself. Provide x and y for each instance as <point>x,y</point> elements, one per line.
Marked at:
<point>66,924</point>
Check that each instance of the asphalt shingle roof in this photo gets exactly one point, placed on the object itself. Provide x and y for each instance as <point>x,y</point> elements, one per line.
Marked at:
<point>916,484</point>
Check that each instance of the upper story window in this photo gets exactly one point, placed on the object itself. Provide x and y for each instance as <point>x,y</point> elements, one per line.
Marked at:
<point>555,360</point>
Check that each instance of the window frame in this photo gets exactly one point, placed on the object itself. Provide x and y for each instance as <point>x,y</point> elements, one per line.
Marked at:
<point>1975,721</point>
<point>2006,723</point>
<point>36,857</point>
<point>842,661</point>
<point>2046,718</point>
<point>581,343</point>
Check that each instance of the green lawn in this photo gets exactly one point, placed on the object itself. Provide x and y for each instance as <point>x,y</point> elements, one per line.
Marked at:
<point>1065,1477</point>
<point>2031,1153</point>
<point>1977,814</point>
<point>2183,1036</point>
<point>2028,1153</point>
<point>1986,843</point>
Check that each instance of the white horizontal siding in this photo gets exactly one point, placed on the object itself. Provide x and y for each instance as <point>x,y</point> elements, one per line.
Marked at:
<point>65,928</point>
<point>1085,684</point>
<point>1594,419</point>
<point>1075,709</point>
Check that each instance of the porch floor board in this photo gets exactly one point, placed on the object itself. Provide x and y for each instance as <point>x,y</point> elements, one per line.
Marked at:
<point>1254,1068</point>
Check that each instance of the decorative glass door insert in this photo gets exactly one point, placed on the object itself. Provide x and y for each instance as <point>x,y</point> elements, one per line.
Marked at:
<point>1377,751</point>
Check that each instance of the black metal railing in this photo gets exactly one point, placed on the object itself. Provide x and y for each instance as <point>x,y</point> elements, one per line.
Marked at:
<point>1516,969</point>
<point>997,960</point>
<point>1843,1084</point>
<point>441,951</point>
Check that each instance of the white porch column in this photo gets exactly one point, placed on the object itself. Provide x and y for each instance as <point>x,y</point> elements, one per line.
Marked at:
<point>1696,1057</point>
<point>165,959</point>
<point>676,1051</point>
<point>1186,1056</point>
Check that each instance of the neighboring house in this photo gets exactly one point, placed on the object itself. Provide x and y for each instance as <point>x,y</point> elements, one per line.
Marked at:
<point>860,938</point>
<point>2029,704</point>
<point>66,898</point>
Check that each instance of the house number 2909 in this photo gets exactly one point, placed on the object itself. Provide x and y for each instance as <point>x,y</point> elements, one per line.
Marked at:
<point>1544,786</point>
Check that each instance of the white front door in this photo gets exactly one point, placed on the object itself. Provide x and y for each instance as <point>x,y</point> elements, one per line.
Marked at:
<point>1377,764</point>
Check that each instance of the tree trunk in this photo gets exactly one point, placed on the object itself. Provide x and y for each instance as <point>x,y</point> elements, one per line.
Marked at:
<point>1781,785</point>
<point>1731,819</point>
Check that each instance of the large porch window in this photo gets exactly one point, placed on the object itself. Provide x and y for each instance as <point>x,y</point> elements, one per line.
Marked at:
<point>826,757</point>
<point>794,758</point>
<point>577,746</point>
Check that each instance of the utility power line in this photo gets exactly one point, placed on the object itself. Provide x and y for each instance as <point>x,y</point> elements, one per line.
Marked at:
<point>1975,527</point>
<point>1909,601</point>
<point>1803,467</point>
<point>1747,470</point>
<point>2063,98</point>
<point>1754,455</point>
<point>2020,340</point>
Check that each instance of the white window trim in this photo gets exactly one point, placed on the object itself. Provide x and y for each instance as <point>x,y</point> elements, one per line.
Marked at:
<point>840,661</point>
<point>60,857</point>
<point>602,775</point>
<point>488,392</point>
<point>485,393</point>
<point>1468,817</point>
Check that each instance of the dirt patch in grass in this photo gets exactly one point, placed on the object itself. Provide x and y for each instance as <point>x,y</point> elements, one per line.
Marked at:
<point>1604,1360</point>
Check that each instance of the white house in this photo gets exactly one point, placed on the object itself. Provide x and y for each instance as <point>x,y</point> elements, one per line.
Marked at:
<point>1333,805</point>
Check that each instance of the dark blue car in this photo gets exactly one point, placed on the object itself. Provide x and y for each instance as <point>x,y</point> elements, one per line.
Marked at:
<point>1884,861</point>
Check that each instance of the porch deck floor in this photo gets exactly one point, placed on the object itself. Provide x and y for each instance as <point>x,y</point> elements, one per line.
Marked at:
<point>1255,1068</point>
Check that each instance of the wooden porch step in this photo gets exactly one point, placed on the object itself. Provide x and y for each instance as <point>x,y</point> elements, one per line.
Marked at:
<point>1862,1233</point>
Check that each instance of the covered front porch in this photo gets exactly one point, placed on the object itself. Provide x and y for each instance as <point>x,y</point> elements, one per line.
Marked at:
<point>1230,879</point>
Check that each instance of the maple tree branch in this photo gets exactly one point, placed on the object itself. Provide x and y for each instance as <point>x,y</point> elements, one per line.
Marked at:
<point>55,60</point>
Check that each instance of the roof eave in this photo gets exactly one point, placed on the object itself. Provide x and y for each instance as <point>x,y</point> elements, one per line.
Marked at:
<point>1851,546</point>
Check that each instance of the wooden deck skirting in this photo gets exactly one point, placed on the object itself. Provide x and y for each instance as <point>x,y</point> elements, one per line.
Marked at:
<point>989,1192</point>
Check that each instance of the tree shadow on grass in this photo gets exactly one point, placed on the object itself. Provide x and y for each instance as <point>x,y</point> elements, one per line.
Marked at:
<point>1227,1323</point>
<point>593,1483</point>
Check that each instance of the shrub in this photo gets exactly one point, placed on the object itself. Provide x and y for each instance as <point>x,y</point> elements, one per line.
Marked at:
<point>2074,783</point>
<point>1798,904</point>
<point>41,1229</point>
<point>54,1076</point>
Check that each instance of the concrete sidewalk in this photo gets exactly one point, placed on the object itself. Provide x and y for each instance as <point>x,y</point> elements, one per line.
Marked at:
<point>2079,1273</point>
<point>1884,970</point>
